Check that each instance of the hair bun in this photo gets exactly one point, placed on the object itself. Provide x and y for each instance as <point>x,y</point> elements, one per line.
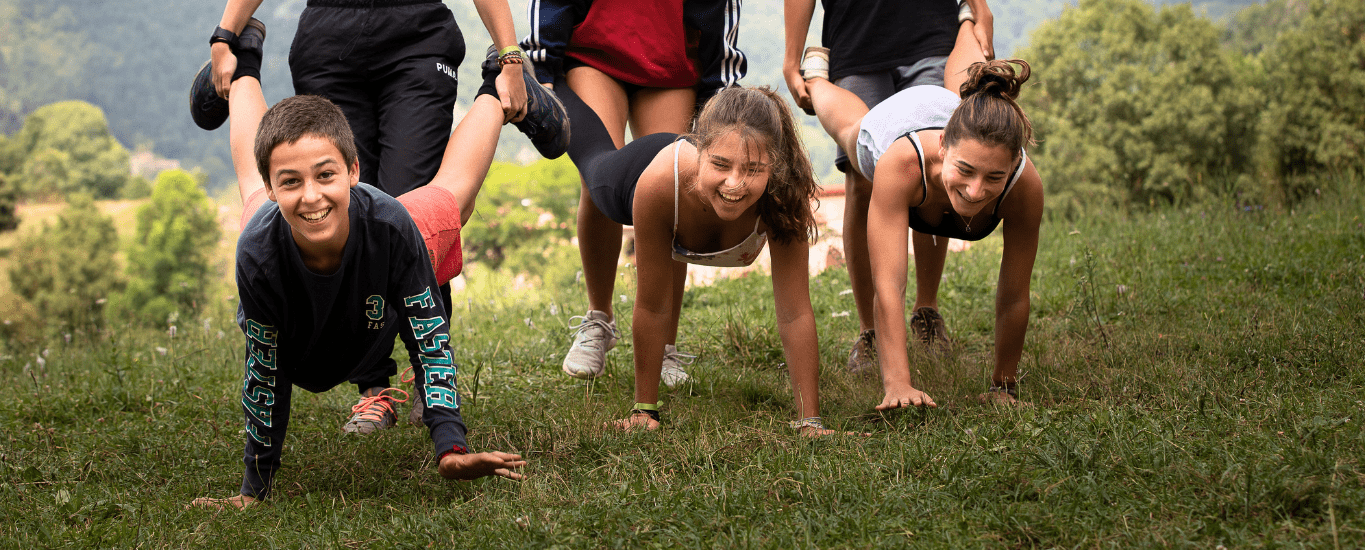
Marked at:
<point>996,77</point>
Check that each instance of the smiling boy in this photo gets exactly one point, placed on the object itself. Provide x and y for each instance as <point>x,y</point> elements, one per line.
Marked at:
<point>330,269</point>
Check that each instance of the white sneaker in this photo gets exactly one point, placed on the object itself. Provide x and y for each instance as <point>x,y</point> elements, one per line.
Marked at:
<point>594,337</point>
<point>672,374</point>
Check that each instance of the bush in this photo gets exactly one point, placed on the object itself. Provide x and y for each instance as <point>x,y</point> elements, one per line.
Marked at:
<point>524,214</point>
<point>9,201</point>
<point>67,271</point>
<point>1136,105</point>
<point>67,148</point>
<point>170,261</point>
<point>1314,120</point>
<point>137,188</point>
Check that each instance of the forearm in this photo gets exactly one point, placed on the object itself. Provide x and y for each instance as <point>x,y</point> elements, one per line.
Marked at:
<point>1011,324</point>
<point>265,404</point>
<point>796,21</point>
<point>497,18</point>
<point>889,319</point>
<point>801,348</point>
<point>237,13</point>
<point>649,330</point>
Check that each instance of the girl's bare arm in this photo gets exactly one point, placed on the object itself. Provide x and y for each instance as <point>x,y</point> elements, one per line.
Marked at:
<point>896,186</point>
<point>796,322</point>
<point>1022,213</point>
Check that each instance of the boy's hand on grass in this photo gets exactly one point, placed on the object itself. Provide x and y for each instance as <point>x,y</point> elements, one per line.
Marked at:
<point>238,502</point>
<point>905,397</point>
<point>477,465</point>
<point>636,421</point>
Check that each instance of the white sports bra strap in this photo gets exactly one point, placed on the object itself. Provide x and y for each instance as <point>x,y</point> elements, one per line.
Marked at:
<point>677,145</point>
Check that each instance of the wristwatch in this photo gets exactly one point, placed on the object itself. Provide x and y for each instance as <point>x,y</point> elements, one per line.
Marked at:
<point>225,36</point>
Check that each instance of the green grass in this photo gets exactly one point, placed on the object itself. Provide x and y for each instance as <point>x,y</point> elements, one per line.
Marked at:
<point>1196,374</point>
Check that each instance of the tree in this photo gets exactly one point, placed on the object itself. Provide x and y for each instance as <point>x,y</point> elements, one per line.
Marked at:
<point>524,214</point>
<point>9,199</point>
<point>1315,82</point>
<point>67,271</point>
<point>170,262</point>
<point>1134,104</point>
<point>68,145</point>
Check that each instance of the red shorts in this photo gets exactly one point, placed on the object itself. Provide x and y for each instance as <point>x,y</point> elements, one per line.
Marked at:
<point>437,217</point>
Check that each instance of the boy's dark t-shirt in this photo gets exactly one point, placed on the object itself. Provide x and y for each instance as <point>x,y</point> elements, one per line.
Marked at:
<point>313,330</point>
<point>867,36</point>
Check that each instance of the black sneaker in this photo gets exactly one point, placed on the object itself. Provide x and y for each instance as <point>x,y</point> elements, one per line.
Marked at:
<point>546,122</point>
<point>208,109</point>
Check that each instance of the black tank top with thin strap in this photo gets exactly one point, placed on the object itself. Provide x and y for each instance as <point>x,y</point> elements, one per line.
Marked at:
<point>952,225</point>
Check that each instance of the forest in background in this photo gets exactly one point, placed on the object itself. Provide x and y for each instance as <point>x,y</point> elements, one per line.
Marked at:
<point>134,59</point>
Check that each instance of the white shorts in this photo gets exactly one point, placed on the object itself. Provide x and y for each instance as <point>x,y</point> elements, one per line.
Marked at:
<point>909,110</point>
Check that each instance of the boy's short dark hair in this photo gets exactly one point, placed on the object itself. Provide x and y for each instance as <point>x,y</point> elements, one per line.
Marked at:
<point>298,116</point>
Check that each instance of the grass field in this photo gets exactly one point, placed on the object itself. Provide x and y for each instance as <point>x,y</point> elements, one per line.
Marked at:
<point>1196,375</point>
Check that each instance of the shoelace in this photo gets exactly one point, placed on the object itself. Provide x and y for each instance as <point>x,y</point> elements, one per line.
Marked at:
<point>932,330</point>
<point>584,323</point>
<point>870,338</point>
<point>372,408</point>
<point>680,357</point>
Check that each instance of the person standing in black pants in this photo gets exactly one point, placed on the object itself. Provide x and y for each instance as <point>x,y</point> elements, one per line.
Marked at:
<point>390,65</point>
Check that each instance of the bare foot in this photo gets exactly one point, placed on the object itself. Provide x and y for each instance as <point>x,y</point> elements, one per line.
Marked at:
<point>897,398</point>
<point>477,465</point>
<point>1000,398</point>
<point>636,421</point>
<point>237,502</point>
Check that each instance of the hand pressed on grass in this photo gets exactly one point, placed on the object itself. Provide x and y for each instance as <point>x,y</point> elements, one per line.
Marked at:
<point>238,502</point>
<point>477,465</point>
<point>904,397</point>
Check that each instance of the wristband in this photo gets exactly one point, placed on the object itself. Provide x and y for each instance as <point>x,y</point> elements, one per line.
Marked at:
<point>225,36</point>
<point>511,58</point>
<point>508,50</point>
<point>456,449</point>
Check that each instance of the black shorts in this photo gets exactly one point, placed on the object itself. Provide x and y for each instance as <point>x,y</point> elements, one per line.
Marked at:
<point>390,66</point>
<point>610,174</point>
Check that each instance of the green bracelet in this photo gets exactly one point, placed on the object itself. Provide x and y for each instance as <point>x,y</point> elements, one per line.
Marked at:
<point>651,409</point>
<point>509,49</point>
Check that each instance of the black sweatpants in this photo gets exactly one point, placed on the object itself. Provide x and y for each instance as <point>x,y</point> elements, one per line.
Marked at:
<point>390,66</point>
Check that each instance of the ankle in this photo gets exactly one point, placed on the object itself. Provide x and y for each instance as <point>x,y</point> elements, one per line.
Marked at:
<point>815,63</point>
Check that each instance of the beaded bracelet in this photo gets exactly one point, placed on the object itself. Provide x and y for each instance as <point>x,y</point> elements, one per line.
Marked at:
<point>808,422</point>
<point>511,58</point>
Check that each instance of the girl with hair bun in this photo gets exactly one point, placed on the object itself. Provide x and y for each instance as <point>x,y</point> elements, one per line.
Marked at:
<point>946,163</point>
<point>741,181</point>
